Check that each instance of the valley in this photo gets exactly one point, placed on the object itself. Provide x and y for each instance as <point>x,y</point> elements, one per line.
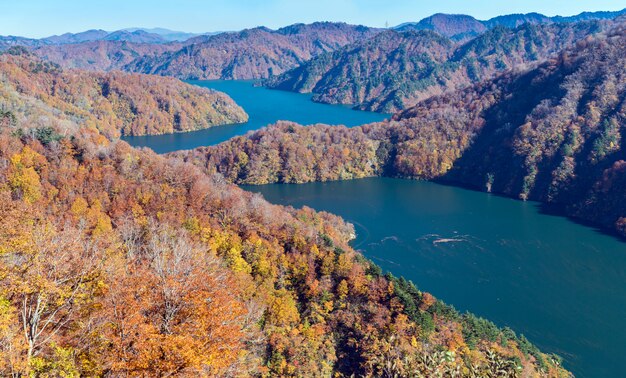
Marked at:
<point>508,260</point>
<point>440,198</point>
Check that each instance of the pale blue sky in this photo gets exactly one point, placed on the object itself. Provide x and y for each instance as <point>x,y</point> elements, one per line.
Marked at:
<point>38,18</point>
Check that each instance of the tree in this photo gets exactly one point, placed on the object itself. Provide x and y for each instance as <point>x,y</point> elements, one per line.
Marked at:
<point>52,276</point>
<point>173,311</point>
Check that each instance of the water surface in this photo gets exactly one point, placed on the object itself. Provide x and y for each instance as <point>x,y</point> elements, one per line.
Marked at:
<point>561,284</point>
<point>265,107</point>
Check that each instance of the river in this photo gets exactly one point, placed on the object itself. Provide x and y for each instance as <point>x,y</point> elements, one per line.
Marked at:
<point>560,284</point>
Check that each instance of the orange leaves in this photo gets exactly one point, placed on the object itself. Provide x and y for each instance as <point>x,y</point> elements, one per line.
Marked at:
<point>12,345</point>
<point>52,276</point>
<point>24,179</point>
<point>98,221</point>
<point>282,309</point>
<point>120,103</point>
<point>175,310</point>
<point>427,301</point>
<point>162,270</point>
<point>449,334</point>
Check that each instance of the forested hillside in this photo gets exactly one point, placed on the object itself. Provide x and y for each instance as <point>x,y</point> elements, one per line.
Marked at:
<point>251,54</point>
<point>248,54</point>
<point>395,70</point>
<point>553,134</point>
<point>117,103</point>
<point>101,55</point>
<point>120,262</point>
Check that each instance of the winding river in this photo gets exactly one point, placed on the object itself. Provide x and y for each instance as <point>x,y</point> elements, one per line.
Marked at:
<point>560,284</point>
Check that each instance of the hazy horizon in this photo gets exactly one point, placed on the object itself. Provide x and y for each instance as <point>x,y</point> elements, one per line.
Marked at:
<point>40,18</point>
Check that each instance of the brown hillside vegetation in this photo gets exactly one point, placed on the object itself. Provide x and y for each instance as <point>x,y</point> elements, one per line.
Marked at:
<point>101,55</point>
<point>396,70</point>
<point>252,53</point>
<point>118,103</point>
<point>552,134</point>
<point>120,262</point>
<point>248,54</point>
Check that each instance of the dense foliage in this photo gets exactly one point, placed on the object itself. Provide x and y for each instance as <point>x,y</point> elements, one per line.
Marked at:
<point>552,134</point>
<point>120,262</point>
<point>118,103</point>
<point>290,153</point>
<point>248,54</point>
<point>395,70</point>
<point>251,54</point>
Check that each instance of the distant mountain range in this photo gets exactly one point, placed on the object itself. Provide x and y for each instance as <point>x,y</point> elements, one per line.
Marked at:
<point>133,35</point>
<point>253,53</point>
<point>170,35</point>
<point>261,53</point>
<point>462,27</point>
<point>248,54</point>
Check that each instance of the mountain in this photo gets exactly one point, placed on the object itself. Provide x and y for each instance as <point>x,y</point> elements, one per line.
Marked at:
<point>134,36</point>
<point>67,38</point>
<point>121,262</point>
<point>137,36</point>
<point>584,16</point>
<point>7,42</point>
<point>553,134</point>
<point>366,71</point>
<point>395,70</point>
<point>514,20</point>
<point>250,54</point>
<point>461,27</point>
<point>457,26</point>
<point>100,55</point>
<point>170,35</point>
<point>119,103</point>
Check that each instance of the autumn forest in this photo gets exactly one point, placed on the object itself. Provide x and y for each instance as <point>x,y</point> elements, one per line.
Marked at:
<point>116,261</point>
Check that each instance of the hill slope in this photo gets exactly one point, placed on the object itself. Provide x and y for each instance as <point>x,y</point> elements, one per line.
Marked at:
<point>373,72</point>
<point>456,26</point>
<point>100,55</point>
<point>118,103</point>
<point>250,54</point>
<point>118,261</point>
<point>552,134</point>
<point>394,71</point>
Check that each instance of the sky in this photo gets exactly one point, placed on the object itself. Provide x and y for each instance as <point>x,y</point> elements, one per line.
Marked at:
<point>40,18</point>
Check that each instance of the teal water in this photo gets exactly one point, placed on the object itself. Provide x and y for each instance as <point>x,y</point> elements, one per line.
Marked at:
<point>265,107</point>
<point>560,284</point>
